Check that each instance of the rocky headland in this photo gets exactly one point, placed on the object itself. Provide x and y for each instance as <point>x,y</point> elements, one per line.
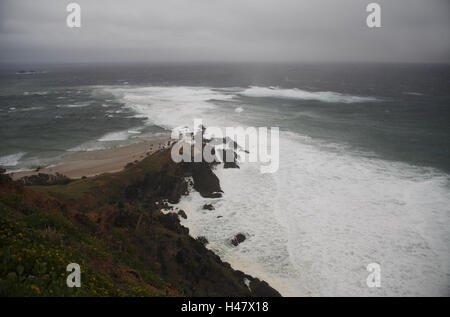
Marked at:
<point>114,227</point>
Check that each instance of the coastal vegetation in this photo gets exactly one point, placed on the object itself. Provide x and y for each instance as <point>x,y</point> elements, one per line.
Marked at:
<point>113,227</point>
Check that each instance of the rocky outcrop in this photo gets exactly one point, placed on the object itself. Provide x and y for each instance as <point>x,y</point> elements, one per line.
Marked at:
<point>230,159</point>
<point>123,211</point>
<point>238,239</point>
<point>208,207</point>
<point>182,214</point>
<point>202,240</point>
<point>262,288</point>
<point>205,181</point>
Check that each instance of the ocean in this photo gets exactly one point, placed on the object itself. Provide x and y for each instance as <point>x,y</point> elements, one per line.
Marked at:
<point>364,160</point>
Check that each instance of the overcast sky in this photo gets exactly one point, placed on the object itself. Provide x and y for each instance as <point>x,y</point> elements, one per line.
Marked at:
<point>224,30</point>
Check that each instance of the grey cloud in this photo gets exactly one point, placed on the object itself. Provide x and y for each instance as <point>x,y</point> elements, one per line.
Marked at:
<point>224,30</point>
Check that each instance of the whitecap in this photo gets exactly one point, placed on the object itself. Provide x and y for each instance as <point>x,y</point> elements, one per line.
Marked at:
<point>294,93</point>
<point>170,107</point>
<point>315,225</point>
<point>134,132</point>
<point>412,93</point>
<point>11,160</point>
<point>31,109</point>
<point>87,147</point>
<point>77,105</point>
<point>114,136</point>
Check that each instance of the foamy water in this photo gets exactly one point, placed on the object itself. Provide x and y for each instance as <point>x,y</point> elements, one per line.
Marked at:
<point>11,160</point>
<point>344,211</point>
<point>115,136</point>
<point>323,96</point>
<point>314,226</point>
<point>171,107</point>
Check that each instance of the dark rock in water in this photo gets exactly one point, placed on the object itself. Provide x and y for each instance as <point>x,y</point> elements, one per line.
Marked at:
<point>182,214</point>
<point>205,181</point>
<point>208,207</point>
<point>202,240</point>
<point>44,179</point>
<point>219,216</point>
<point>229,157</point>
<point>230,165</point>
<point>239,238</point>
<point>215,195</point>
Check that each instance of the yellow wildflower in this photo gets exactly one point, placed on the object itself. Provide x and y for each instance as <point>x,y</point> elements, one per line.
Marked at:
<point>36,289</point>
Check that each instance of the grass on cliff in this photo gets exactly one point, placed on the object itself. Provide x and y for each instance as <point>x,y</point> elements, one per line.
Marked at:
<point>107,188</point>
<point>36,246</point>
<point>110,225</point>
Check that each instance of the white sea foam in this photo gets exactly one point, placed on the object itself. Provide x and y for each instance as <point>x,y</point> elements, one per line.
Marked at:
<point>239,109</point>
<point>38,93</point>
<point>87,147</point>
<point>77,105</point>
<point>344,211</point>
<point>323,96</point>
<point>18,170</point>
<point>134,132</point>
<point>31,109</point>
<point>171,106</point>
<point>11,160</point>
<point>413,93</point>
<point>115,136</point>
<point>314,226</point>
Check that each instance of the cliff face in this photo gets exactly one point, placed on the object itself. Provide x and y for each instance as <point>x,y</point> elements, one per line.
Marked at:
<point>113,227</point>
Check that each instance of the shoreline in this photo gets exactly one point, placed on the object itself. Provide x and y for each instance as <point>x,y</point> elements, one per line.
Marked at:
<point>92,163</point>
<point>132,204</point>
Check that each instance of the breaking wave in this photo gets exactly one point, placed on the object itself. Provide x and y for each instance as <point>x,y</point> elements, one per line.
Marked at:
<point>294,93</point>
<point>11,160</point>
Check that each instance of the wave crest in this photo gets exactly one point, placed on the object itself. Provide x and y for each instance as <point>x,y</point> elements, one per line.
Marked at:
<point>294,93</point>
<point>11,160</point>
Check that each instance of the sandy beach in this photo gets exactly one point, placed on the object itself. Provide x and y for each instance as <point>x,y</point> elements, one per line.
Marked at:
<point>91,163</point>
